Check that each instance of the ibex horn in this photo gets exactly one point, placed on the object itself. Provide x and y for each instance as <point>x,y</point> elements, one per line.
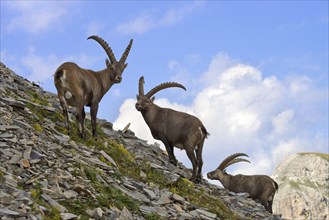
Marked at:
<point>105,46</point>
<point>225,162</point>
<point>125,54</point>
<point>141,86</point>
<point>164,86</point>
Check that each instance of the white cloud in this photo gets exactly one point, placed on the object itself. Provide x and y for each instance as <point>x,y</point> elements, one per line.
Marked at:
<point>244,111</point>
<point>141,24</point>
<point>281,122</point>
<point>36,16</point>
<point>149,20</point>
<point>41,68</point>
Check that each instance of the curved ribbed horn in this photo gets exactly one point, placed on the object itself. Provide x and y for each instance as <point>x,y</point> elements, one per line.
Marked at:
<point>141,86</point>
<point>105,46</point>
<point>163,86</point>
<point>236,160</point>
<point>125,54</point>
<point>228,159</point>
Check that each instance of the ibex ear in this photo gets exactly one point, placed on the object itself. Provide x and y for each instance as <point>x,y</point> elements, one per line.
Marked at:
<point>137,97</point>
<point>152,99</point>
<point>126,64</point>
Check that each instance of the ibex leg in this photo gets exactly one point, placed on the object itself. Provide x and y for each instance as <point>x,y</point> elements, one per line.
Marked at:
<point>198,152</point>
<point>65,113</point>
<point>264,202</point>
<point>80,118</point>
<point>191,155</point>
<point>93,112</point>
<point>170,151</point>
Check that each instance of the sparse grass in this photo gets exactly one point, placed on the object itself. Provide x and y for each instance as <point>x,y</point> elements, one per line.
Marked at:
<point>38,127</point>
<point>36,98</point>
<point>153,216</point>
<point>91,173</point>
<point>53,214</point>
<point>192,194</point>
<point>110,196</point>
<point>323,155</point>
<point>36,193</point>
<point>154,175</point>
<point>129,167</point>
<point>79,207</point>
<point>1,175</point>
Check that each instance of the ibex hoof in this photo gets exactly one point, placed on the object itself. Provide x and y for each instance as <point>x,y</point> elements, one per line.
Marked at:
<point>195,179</point>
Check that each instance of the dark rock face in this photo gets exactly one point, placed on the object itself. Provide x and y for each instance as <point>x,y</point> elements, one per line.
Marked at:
<point>46,173</point>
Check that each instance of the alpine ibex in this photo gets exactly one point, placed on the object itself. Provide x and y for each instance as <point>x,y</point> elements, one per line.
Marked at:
<point>173,128</point>
<point>81,87</point>
<point>260,188</point>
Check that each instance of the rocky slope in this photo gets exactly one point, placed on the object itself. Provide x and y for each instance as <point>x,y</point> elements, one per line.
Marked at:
<point>47,174</point>
<point>303,181</point>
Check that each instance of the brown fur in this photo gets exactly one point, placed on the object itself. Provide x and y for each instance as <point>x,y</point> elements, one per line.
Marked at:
<point>80,87</point>
<point>175,129</point>
<point>260,187</point>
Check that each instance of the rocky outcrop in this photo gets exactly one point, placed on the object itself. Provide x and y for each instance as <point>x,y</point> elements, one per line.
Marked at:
<point>46,173</point>
<point>303,180</point>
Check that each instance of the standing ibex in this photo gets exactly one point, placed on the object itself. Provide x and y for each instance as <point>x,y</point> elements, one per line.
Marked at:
<point>260,187</point>
<point>81,87</point>
<point>173,128</point>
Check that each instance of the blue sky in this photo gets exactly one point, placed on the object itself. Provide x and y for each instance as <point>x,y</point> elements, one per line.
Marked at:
<point>256,72</point>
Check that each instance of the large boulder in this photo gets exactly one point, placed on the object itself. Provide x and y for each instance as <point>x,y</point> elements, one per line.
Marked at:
<point>303,193</point>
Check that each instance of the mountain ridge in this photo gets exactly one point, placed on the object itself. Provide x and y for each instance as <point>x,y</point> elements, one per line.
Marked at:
<point>46,173</point>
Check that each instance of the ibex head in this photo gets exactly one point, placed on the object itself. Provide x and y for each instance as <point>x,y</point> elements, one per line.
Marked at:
<point>221,169</point>
<point>144,101</point>
<point>116,67</point>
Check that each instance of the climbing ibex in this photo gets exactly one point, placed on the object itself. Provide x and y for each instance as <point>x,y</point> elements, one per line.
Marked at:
<point>173,128</point>
<point>260,188</point>
<point>81,87</point>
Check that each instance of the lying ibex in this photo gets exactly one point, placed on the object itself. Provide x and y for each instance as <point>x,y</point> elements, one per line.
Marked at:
<point>259,187</point>
<point>81,87</point>
<point>173,128</point>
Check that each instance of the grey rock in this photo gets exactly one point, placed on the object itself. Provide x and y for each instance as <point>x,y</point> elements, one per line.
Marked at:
<point>5,198</point>
<point>206,213</point>
<point>36,155</point>
<point>125,214</point>
<point>21,124</point>
<point>68,216</point>
<point>16,158</point>
<point>6,135</point>
<point>8,212</point>
<point>108,158</point>
<point>165,198</point>
<point>178,198</point>
<point>61,139</point>
<point>52,202</point>
<point>70,194</point>
<point>10,181</point>
<point>150,193</point>
<point>186,216</point>
<point>97,213</point>
<point>27,153</point>
<point>13,102</point>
